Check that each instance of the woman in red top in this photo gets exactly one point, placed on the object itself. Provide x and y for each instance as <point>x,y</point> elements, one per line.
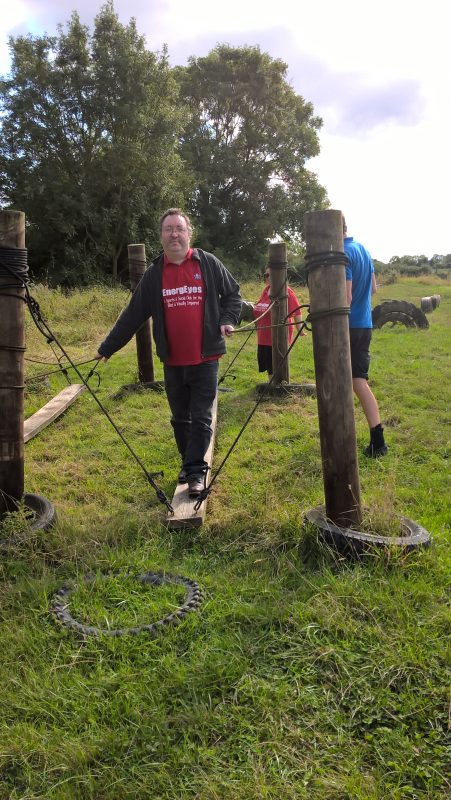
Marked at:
<point>264,331</point>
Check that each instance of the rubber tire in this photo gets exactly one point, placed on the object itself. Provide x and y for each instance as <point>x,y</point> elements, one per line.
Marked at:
<point>193,599</point>
<point>45,514</point>
<point>357,543</point>
<point>401,307</point>
<point>392,317</point>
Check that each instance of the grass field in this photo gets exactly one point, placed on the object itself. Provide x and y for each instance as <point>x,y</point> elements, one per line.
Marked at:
<point>302,675</point>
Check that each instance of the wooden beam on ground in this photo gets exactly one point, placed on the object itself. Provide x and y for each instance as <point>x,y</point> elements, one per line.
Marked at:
<point>53,409</point>
<point>184,515</point>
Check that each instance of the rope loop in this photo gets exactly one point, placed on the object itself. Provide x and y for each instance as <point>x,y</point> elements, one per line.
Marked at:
<point>328,312</point>
<point>332,258</point>
<point>13,262</point>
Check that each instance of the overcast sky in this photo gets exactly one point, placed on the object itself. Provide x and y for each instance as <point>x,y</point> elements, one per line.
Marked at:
<point>378,73</point>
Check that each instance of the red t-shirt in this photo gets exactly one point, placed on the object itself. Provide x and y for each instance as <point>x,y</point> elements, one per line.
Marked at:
<point>264,333</point>
<point>183,294</point>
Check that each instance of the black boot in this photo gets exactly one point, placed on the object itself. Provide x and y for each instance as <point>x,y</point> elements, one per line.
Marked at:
<point>377,446</point>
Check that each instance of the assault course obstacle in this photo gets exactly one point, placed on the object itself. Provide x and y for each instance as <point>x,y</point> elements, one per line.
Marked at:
<point>278,282</point>
<point>338,521</point>
<point>330,333</point>
<point>342,514</point>
<point>13,269</point>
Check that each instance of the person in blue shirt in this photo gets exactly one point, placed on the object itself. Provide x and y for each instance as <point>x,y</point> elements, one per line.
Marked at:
<point>360,285</point>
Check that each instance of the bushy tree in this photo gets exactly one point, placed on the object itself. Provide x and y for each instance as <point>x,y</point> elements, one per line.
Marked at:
<point>90,126</point>
<point>247,141</point>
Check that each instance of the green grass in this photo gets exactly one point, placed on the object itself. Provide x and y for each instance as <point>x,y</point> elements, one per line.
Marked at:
<point>302,675</point>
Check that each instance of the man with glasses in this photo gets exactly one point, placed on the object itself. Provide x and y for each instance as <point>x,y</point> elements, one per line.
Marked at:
<point>194,303</point>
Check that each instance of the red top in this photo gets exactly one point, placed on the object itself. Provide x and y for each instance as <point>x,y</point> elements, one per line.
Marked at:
<point>183,291</point>
<point>264,333</point>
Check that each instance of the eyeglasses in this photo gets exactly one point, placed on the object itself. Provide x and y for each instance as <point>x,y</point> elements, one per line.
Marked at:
<point>177,229</point>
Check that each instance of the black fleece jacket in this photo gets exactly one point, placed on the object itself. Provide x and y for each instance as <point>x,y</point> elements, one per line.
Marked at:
<point>222,307</point>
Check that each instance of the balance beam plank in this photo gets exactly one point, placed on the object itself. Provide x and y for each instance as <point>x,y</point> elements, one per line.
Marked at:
<point>184,515</point>
<point>53,409</point>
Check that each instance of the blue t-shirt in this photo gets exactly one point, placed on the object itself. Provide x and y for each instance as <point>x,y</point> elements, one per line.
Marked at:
<point>359,270</point>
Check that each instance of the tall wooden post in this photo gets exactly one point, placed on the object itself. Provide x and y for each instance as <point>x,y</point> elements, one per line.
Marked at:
<point>12,347</point>
<point>277,263</point>
<point>137,267</point>
<point>323,232</point>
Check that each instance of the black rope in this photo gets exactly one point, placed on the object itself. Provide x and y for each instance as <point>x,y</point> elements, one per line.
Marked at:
<point>42,375</point>
<point>277,264</point>
<point>207,489</point>
<point>331,258</point>
<point>279,325</point>
<point>13,262</point>
<point>235,358</point>
<point>328,312</point>
<point>276,300</point>
<point>42,326</point>
<point>8,294</point>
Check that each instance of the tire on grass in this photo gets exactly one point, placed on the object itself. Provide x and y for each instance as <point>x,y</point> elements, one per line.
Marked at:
<point>44,512</point>
<point>194,598</point>
<point>356,543</point>
<point>392,311</point>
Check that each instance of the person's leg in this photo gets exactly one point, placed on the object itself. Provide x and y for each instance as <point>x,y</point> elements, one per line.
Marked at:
<point>360,339</point>
<point>203,383</point>
<point>264,358</point>
<point>178,394</point>
<point>367,400</point>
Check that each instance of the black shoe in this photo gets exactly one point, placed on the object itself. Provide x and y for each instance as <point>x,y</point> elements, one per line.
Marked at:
<point>182,478</point>
<point>196,485</point>
<point>375,452</point>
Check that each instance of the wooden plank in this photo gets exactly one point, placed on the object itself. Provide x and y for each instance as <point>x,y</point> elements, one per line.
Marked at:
<point>184,515</point>
<point>53,409</point>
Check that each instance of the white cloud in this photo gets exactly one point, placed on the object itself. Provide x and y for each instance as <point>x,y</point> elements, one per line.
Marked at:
<point>377,74</point>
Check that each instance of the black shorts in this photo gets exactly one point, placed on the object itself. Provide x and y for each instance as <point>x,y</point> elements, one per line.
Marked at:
<point>360,339</point>
<point>264,358</point>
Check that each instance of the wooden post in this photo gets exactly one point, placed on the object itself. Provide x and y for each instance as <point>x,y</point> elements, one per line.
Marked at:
<point>12,347</point>
<point>137,267</point>
<point>277,263</point>
<point>327,287</point>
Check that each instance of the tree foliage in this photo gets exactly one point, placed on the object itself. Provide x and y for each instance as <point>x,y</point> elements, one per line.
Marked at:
<point>99,135</point>
<point>89,146</point>
<point>247,140</point>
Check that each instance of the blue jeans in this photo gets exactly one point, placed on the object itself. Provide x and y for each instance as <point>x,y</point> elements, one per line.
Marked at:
<point>191,392</point>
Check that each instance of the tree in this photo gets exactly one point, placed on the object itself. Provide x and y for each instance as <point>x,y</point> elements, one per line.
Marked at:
<point>247,140</point>
<point>90,128</point>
